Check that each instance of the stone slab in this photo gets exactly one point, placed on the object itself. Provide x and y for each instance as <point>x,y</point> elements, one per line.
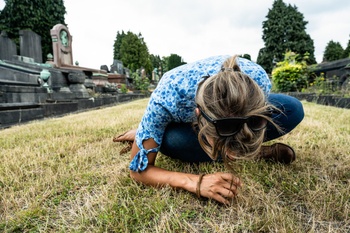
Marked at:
<point>59,108</point>
<point>17,116</point>
<point>16,113</point>
<point>330,100</point>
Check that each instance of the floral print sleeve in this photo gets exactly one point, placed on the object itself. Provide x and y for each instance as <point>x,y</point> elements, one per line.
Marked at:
<point>153,125</point>
<point>174,100</point>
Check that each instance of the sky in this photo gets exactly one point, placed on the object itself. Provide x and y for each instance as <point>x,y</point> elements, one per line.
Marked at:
<point>193,29</point>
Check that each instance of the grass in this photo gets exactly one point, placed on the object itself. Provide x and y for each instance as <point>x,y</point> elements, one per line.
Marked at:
<point>66,175</point>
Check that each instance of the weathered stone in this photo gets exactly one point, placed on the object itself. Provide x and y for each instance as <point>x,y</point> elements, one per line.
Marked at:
<point>105,68</point>
<point>334,68</point>
<point>62,46</point>
<point>11,114</point>
<point>8,48</point>
<point>30,45</point>
<point>330,100</point>
<point>117,67</point>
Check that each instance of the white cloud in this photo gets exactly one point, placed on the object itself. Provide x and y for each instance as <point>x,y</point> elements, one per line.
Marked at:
<point>193,29</point>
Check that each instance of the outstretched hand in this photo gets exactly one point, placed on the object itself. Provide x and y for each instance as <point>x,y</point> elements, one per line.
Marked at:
<point>128,136</point>
<point>220,186</point>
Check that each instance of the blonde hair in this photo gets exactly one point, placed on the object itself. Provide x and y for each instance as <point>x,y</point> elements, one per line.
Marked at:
<point>231,93</point>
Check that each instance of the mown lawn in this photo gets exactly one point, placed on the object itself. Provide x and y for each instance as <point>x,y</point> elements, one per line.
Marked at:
<point>66,175</point>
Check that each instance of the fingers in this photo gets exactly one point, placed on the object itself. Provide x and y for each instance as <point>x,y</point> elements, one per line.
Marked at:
<point>125,137</point>
<point>224,195</point>
<point>231,179</point>
<point>222,187</point>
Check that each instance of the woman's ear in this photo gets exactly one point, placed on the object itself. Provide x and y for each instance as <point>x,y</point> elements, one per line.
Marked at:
<point>197,112</point>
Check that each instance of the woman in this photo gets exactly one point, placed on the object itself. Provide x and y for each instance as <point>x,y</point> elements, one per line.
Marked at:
<point>217,108</point>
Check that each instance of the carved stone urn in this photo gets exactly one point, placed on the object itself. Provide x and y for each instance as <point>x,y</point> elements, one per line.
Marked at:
<point>45,75</point>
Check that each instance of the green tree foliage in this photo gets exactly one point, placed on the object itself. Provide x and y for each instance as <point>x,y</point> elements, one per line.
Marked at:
<point>284,30</point>
<point>290,75</point>
<point>117,45</point>
<point>346,53</point>
<point>133,52</point>
<point>333,51</point>
<point>156,61</point>
<point>175,61</point>
<point>165,63</point>
<point>40,16</point>
<point>246,56</point>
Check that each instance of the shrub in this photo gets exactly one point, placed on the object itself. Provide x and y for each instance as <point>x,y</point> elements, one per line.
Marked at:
<point>140,82</point>
<point>123,88</point>
<point>290,75</point>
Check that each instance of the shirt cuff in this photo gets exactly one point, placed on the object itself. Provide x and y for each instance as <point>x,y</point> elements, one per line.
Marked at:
<point>140,161</point>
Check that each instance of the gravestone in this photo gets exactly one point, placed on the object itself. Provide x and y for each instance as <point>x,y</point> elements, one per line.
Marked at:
<point>62,46</point>
<point>7,47</point>
<point>30,45</point>
<point>117,67</point>
<point>105,68</point>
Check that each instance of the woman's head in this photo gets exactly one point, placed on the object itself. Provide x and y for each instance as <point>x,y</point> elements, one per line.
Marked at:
<point>231,93</point>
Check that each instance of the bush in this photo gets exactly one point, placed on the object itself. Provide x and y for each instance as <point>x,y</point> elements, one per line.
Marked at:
<point>290,75</point>
<point>140,83</point>
<point>123,88</point>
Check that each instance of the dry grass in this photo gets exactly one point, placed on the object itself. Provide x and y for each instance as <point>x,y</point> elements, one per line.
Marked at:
<point>66,175</point>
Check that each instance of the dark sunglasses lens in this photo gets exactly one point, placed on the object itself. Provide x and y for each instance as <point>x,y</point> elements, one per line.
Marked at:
<point>228,127</point>
<point>256,123</point>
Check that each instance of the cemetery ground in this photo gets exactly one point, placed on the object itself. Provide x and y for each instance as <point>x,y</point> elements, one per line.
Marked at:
<point>66,175</point>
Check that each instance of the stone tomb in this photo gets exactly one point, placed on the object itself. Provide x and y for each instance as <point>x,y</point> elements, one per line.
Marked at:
<point>32,90</point>
<point>63,58</point>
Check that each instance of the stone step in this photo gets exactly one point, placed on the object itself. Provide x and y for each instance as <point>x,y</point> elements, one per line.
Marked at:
<point>20,115</point>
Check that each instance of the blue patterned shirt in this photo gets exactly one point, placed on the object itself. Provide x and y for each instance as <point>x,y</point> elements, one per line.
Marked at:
<point>174,100</point>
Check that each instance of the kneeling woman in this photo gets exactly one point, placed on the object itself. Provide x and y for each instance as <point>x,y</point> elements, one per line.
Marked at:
<point>219,108</point>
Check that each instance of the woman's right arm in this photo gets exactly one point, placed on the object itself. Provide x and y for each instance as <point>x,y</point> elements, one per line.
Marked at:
<point>219,186</point>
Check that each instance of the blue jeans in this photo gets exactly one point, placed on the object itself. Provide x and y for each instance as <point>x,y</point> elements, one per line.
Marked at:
<point>180,140</point>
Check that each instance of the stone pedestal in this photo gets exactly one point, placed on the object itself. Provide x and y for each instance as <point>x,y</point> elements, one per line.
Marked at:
<point>76,81</point>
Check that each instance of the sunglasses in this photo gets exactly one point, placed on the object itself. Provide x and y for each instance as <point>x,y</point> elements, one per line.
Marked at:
<point>227,127</point>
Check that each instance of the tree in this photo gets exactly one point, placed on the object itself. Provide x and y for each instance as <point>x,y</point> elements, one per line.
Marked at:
<point>284,30</point>
<point>156,61</point>
<point>40,16</point>
<point>165,63</point>
<point>246,56</point>
<point>346,53</point>
<point>333,51</point>
<point>133,52</point>
<point>117,45</point>
<point>175,61</point>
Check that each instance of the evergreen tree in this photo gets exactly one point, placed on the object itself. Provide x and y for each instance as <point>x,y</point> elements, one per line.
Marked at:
<point>333,51</point>
<point>134,52</point>
<point>117,45</point>
<point>175,61</point>
<point>284,30</point>
<point>156,61</point>
<point>246,56</point>
<point>165,63</point>
<point>346,53</point>
<point>40,16</point>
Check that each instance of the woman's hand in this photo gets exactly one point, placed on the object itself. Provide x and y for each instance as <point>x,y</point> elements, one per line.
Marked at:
<point>220,186</point>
